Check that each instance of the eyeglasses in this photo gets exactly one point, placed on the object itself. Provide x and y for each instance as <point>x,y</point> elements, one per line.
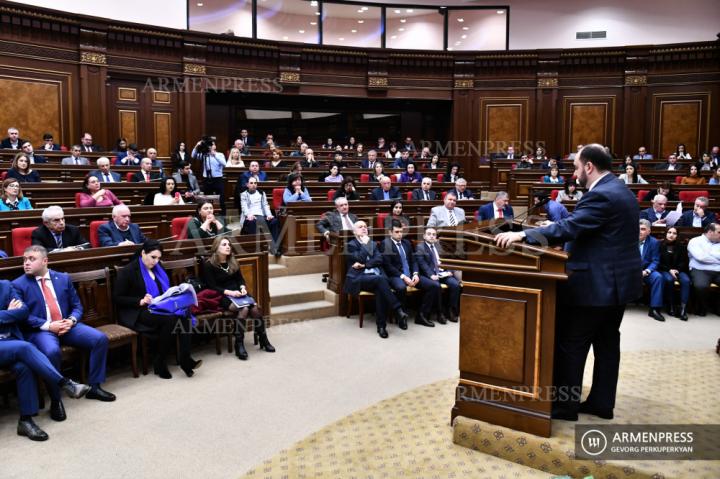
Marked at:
<point>13,185</point>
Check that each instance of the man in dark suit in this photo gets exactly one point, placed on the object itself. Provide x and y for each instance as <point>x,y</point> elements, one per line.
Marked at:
<point>247,140</point>
<point>650,257</point>
<point>365,273</point>
<point>146,174</point>
<point>48,143</point>
<point>87,146</point>
<point>119,231</point>
<point>403,161</point>
<point>427,256</point>
<point>369,162</point>
<point>671,165</point>
<point>424,193</point>
<point>605,274</point>
<point>28,149</point>
<point>499,209</point>
<point>386,191</point>
<point>656,213</point>
<point>54,319</point>
<point>13,140</point>
<point>253,170</point>
<point>55,234</point>
<point>461,191</point>
<point>338,220</point>
<point>699,216</point>
<point>402,271</point>
<point>103,173</point>
<point>26,361</point>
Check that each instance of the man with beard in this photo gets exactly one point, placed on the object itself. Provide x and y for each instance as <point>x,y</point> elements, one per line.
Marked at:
<point>604,273</point>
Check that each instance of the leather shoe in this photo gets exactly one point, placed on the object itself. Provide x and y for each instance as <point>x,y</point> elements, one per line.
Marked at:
<point>683,313</point>
<point>564,414</point>
<point>382,332</point>
<point>422,320</point>
<point>656,314</point>
<point>75,390</point>
<point>441,318</point>
<point>585,408</point>
<point>454,318</point>
<point>160,369</point>
<point>100,394</point>
<point>29,429</point>
<point>57,411</point>
<point>402,319</point>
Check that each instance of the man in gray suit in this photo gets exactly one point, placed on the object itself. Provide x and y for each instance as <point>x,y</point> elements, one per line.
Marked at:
<point>424,193</point>
<point>447,214</point>
<point>338,220</point>
<point>75,158</point>
<point>184,174</point>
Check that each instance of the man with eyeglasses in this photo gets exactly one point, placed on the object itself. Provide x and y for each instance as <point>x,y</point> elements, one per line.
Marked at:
<point>75,158</point>
<point>87,144</point>
<point>54,234</point>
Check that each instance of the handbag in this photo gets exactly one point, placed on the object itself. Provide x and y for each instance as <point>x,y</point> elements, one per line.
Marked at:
<point>177,301</point>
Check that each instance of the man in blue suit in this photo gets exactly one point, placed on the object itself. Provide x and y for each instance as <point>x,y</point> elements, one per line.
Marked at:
<point>365,273</point>
<point>499,209</point>
<point>54,319</point>
<point>119,231</point>
<point>427,255</point>
<point>657,212</point>
<point>386,191</point>
<point>604,272</point>
<point>650,256</point>
<point>25,361</point>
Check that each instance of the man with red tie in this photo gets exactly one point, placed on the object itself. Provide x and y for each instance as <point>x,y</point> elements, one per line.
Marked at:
<point>145,175</point>
<point>499,209</point>
<point>54,320</point>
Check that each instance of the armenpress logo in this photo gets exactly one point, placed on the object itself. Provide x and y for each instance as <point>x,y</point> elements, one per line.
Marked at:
<point>593,442</point>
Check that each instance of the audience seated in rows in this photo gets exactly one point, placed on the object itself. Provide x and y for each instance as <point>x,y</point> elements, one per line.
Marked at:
<point>499,209</point>
<point>48,143</point>
<point>13,140</point>
<point>129,157</point>
<point>671,165</point>
<point>87,145</point>
<point>184,174</point>
<point>339,219</point>
<point>396,214</point>
<point>334,175</point>
<point>168,194</point>
<point>699,216</point>
<point>146,174</point>
<point>256,214</point>
<point>104,173</point>
<point>569,192</point>
<point>674,267</point>
<point>119,231</point>
<point>631,176</point>
<point>54,234</point>
<point>447,214</point>
<point>28,149</point>
<point>75,158</point>
<point>693,177</point>
<point>296,190</point>
<point>642,154</point>
<point>410,175</point>
<point>553,176</point>
<point>425,192</point>
<point>21,170</point>
<point>386,191</point>
<point>205,224</point>
<point>704,262</point>
<point>93,194</point>
<point>347,189</point>
<point>657,212</point>
<point>461,191</point>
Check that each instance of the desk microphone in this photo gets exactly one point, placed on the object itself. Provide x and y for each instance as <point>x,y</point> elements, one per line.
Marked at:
<point>531,210</point>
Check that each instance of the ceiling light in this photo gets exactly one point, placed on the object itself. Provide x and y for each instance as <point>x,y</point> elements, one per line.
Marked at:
<point>458,43</point>
<point>301,31</point>
<point>409,10</point>
<point>317,13</point>
<point>200,4</point>
<point>401,29</point>
<point>393,37</point>
<point>397,11</point>
<point>500,12</point>
<point>466,28</point>
<point>364,8</point>
<point>402,20</point>
<point>313,3</point>
<point>360,11</point>
<point>353,31</point>
<point>285,38</point>
<point>361,21</point>
<point>341,39</point>
<point>463,36</point>
<point>461,20</point>
<point>450,49</point>
<point>313,23</point>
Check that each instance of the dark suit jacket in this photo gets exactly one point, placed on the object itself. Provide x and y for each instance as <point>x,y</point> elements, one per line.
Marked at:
<point>99,175</point>
<point>56,147</point>
<point>331,221</point>
<point>678,168</point>
<point>11,319</point>
<point>467,194</point>
<point>392,262</point>
<point>675,258</point>
<point>651,254</point>
<point>128,291</point>
<point>109,235</point>
<point>418,195</point>
<point>602,240</point>
<point>139,178</point>
<point>93,148</point>
<point>70,237</point>
<point>687,219</point>
<point>423,258</point>
<point>377,193</point>
<point>369,255</point>
<point>487,212</point>
<point>649,196</point>
<point>31,294</point>
<point>39,159</point>
<point>6,143</point>
<point>649,214</point>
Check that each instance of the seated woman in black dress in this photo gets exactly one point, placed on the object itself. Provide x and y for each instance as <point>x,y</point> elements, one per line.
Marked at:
<point>137,284</point>
<point>21,171</point>
<point>204,224</point>
<point>221,273</point>
<point>347,190</point>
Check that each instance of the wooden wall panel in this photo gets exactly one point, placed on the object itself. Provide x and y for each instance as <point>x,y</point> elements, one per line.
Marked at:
<point>587,119</point>
<point>163,133</point>
<point>680,123</point>
<point>128,125</point>
<point>33,106</point>
<point>504,121</point>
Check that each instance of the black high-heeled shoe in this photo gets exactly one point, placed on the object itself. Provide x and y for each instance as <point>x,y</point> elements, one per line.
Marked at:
<point>189,366</point>
<point>264,342</point>
<point>240,350</point>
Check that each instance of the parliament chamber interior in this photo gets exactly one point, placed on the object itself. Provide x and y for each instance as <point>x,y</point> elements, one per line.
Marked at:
<point>303,239</point>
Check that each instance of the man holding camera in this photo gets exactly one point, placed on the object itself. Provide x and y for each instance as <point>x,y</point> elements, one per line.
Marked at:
<point>213,164</point>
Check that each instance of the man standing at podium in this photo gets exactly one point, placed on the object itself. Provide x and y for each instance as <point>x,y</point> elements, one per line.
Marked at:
<point>604,274</point>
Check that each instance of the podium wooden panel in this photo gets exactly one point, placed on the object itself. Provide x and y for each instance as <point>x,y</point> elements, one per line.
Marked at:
<point>507,328</point>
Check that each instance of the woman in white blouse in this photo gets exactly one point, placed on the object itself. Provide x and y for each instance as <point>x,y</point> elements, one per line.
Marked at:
<point>631,176</point>
<point>235,159</point>
<point>167,194</point>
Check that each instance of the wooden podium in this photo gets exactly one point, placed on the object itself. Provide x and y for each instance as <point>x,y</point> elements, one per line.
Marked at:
<point>507,328</point>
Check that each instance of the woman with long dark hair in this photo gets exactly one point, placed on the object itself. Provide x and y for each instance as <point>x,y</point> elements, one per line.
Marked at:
<point>205,224</point>
<point>295,190</point>
<point>674,267</point>
<point>347,190</point>
<point>94,195</point>
<point>21,171</point>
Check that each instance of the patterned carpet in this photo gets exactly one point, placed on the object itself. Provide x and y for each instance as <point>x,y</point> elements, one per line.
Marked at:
<point>409,436</point>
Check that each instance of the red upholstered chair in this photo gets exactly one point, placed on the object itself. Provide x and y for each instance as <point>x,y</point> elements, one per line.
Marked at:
<point>3,175</point>
<point>129,175</point>
<point>77,199</point>
<point>178,227</point>
<point>553,194</point>
<point>380,220</point>
<point>21,239</point>
<point>691,196</point>
<point>94,238</point>
<point>641,194</point>
<point>440,177</point>
<point>63,148</point>
<point>678,179</point>
<point>444,194</point>
<point>408,195</point>
<point>331,194</point>
<point>364,178</point>
<point>278,197</point>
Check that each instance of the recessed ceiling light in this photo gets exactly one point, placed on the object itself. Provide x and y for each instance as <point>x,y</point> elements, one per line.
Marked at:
<point>450,49</point>
<point>500,12</point>
<point>317,13</point>
<point>463,36</point>
<point>313,3</point>
<point>458,43</point>
<point>402,20</point>
<point>461,20</point>
<point>361,10</point>
<point>353,31</point>
<point>401,29</point>
<point>466,28</point>
<point>361,21</point>
<point>285,38</point>
<point>393,37</point>
<point>409,10</point>
<point>341,39</point>
<point>364,8</point>
<point>200,4</point>
<point>313,23</point>
<point>397,11</point>
<point>301,31</point>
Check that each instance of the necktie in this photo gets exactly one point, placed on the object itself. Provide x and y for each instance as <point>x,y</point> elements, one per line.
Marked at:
<point>347,223</point>
<point>147,178</point>
<point>500,213</point>
<point>426,196</point>
<point>55,314</point>
<point>403,258</point>
<point>58,240</point>
<point>107,178</point>
<point>77,162</point>
<point>451,218</point>
<point>434,256</point>
<point>641,248</point>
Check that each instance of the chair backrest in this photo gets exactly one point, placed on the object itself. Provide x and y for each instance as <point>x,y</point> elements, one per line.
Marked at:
<point>63,148</point>
<point>129,175</point>
<point>178,269</point>
<point>178,227</point>
<point>440,177</point>
<point>94,238</point>
<point>380,220</point>
<point>364,178</point>
<point>554,194</point>
<point>691,196</point>
<point>408,195</point>
<point>21,239</point>
<point>97,307</point>
<point>77,199</point>
<point>678,179</point>
<point>330,195</point>
<point>277,197</point>
<point>3,175</point>
<point>444,194</point>
<point>641,194</point>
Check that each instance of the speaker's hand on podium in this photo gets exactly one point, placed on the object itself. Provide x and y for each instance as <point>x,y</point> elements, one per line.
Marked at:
<point>504,240</point>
